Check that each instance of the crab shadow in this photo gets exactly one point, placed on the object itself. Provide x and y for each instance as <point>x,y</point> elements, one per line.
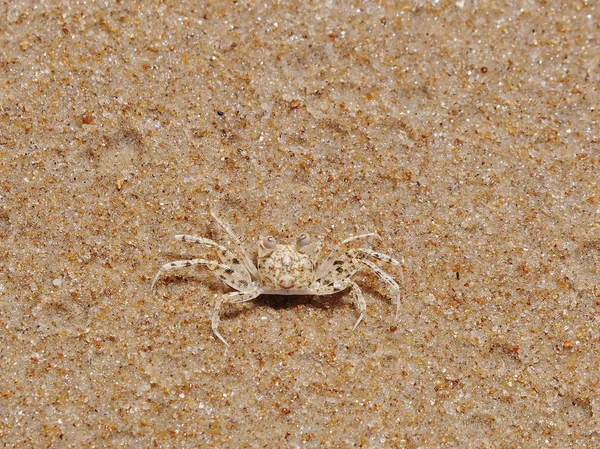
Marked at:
<point>334,301</point>
<point>283,302</point>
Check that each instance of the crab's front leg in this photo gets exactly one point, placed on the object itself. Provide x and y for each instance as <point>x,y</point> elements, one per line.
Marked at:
<point>385,277</point>
<point>341,267</point>
<point>232,298</point>
<point>390,282</point>
<point>339,277</point>
<point>338,286</point>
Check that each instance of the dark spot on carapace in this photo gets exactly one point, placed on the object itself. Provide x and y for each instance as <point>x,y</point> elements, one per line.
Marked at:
<point>229,271</point>
<point>236,261</point>
<point>338,262</point>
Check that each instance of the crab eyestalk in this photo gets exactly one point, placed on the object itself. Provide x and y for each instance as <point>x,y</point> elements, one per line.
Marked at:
<point>270,242</point>
<point>302,241</point>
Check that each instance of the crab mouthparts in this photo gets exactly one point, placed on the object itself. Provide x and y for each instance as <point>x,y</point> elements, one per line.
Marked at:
<point>286,281</point>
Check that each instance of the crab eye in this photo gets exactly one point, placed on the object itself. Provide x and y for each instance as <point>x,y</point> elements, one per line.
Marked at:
<point>270,242</point>
<point>303,240</point>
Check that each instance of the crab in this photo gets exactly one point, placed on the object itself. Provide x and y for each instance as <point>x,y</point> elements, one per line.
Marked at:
<point>288,269</point>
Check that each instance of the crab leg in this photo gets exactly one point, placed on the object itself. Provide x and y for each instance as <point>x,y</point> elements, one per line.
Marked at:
<point>226,255</point>
<point>383,275</point>
<point>379,256</point>
<point>337,252</point>
<point>231,298</point>
<point>194,239</point>
<point>346,265</point>
<point>357,296</point>
<point>247,261</point>
<point>360,236</point>
<point>392,285</point>
<point>359,299</point>
<point>227,274</point>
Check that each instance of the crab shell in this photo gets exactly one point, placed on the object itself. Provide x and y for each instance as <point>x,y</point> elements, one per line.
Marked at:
<point>287,269</point>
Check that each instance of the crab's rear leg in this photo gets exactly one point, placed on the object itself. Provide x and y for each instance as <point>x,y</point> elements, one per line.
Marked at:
<point>232,298</point>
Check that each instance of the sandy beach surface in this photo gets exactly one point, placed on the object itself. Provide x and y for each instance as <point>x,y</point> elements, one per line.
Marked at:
<point>466,133</point>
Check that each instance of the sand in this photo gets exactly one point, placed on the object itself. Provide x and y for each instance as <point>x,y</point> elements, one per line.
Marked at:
<point>464,132</point>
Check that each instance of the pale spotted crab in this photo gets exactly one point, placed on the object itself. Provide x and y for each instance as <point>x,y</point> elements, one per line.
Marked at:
<point>288,269</point>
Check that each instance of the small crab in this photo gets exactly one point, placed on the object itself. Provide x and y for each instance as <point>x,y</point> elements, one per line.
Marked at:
<point>293,269</point>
